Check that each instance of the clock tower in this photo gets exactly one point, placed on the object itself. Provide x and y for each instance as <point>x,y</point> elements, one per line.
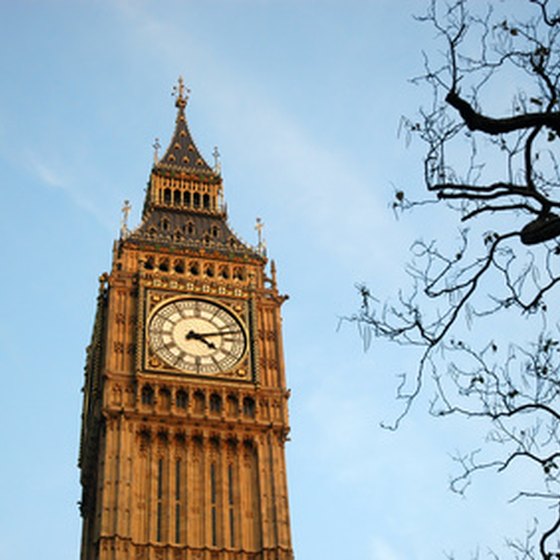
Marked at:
<point>185,401</point>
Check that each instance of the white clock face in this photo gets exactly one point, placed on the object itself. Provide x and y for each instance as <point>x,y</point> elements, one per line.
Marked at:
<point>197,336</point>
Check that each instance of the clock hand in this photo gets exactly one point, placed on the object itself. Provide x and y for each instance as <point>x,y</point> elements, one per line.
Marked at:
<point>219,333</point>
<point>191,335</point>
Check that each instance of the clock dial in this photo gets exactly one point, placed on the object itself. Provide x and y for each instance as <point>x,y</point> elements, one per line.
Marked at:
<point>197,336</point>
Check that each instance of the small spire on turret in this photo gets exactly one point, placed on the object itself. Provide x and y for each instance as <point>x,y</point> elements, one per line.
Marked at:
<point>217,164</point>
<point>261,246</point>
<point>124,220</point>
<point>181,93</point>
<point>156,146</point>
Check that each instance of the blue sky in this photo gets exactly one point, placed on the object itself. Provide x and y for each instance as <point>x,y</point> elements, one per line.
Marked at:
<point>304,100</point>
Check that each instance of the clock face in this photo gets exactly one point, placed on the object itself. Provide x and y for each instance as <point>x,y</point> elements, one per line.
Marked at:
<point>196,336</point>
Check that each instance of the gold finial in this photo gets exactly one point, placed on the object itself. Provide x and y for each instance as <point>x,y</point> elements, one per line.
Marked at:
<point>156,146</point>
<point>181,93</point>
<point>217,164</point>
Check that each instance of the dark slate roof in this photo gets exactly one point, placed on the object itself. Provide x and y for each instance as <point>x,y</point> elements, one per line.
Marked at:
<point>191,230</point>
<point>182,153</point>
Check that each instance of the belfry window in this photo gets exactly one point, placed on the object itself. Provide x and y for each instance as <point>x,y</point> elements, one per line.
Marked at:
<point>196,200</point>
<point>167,196</point>
<point>177,198</point>
<point>206,201</point>
<point>187,199</point>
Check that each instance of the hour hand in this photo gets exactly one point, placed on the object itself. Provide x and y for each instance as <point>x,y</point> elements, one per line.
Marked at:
<point>191,335</point>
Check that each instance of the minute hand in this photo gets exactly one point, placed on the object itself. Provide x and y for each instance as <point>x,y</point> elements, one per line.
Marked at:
<point>219,333</point>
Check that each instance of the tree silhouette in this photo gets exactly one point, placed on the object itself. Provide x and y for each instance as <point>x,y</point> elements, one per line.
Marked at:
<point>482,309</point>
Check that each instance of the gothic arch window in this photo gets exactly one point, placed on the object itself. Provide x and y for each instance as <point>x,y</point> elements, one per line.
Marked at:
<point>249,407</point>
<point>209,270</point>
<point>224,272</point>
<point>199,402</point>
<point>215,403</point>
<point>182,398</point>
<point>196,200</point>
<point>206,201</point>
<point>194,268</point>
<point>164,224</point>
<point>190,228</point>
<point>179,266</point>
<point>187,199</point>
<point>232,405</point>
<point>214,231</point>
<point>164,265</point>
<point>165,398</point>
<point>177,198</point>
<point>149,263</point>
<point>238,273</point>
<point>147,395</point>
<point>167,196</point>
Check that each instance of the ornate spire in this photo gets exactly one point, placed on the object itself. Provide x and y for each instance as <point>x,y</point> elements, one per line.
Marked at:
<point>182,153</point>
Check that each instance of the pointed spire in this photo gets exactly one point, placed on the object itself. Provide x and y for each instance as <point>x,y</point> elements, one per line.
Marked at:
<point>182,153</point>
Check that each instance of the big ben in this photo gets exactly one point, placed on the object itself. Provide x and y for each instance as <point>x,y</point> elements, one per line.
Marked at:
<point>185,402</point>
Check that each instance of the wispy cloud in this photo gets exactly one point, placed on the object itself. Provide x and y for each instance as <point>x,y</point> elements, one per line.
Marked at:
<point>55,178</point>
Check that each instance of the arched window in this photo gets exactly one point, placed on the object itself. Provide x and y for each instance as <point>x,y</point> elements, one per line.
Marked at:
<point>199,402</point>
<point>147,395</point>
<point>149,263</point>
<point>177,198</point>
<point>249,407</point>
<point>179,267</point>
<point>232,405</point>
<point>182,398</point>
<point>215,403</point>
<point>206,201</point>
<point>165,398</point>
<point>167,196</point>
<point>187,198</point>
<point>196,200</point>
